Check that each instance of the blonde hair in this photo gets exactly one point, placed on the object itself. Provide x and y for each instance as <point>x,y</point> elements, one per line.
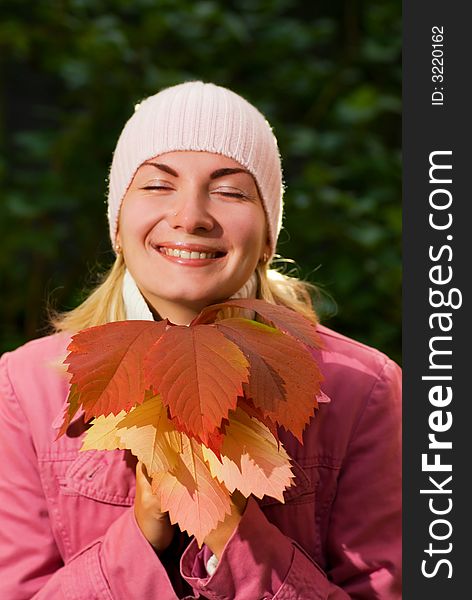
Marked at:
<point>105,303</point>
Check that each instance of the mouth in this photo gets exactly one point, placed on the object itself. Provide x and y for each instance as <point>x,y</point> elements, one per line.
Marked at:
<point>185,253</point>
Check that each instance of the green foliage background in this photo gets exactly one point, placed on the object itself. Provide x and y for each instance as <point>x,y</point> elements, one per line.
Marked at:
<point>327,76</point>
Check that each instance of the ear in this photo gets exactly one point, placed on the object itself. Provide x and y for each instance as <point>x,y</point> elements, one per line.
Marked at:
<point>266,253</point>
<point>117,247</point>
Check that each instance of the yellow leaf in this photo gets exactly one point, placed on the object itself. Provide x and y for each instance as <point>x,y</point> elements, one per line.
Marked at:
<point>252,460</point>
<point>151,436</point>
<point>102,435</point>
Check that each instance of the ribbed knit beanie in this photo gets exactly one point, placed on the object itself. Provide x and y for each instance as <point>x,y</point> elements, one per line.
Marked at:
<point>201,117</point>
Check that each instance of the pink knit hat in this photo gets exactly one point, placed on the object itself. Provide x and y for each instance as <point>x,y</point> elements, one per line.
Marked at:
<point>205,117</point>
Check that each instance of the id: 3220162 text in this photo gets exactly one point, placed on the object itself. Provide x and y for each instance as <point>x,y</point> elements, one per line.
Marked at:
<point>437,65</point>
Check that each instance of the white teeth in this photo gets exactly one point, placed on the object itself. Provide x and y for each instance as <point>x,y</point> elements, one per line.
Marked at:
<point>187,254</point>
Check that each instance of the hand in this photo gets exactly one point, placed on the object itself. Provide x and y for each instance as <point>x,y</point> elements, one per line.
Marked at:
<point>217,539</point>
<point>154,524</point>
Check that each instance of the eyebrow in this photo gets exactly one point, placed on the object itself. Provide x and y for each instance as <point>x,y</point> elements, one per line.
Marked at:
<point>215,175</point>
<point>223,172</point>
<point>163,167</point>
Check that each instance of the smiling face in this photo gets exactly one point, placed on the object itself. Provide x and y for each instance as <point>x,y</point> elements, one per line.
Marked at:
<point>192,229</point>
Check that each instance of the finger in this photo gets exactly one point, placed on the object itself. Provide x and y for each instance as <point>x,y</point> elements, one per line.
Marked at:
<point>141,472</point>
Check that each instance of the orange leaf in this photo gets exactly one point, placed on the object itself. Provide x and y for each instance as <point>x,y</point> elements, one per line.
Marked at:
<point>265,348</point>
<point>73,405</point>
<point>252,460</point>
<point>280,369</point>
<point>106,364</point>
<point>199,374</point>
<point>194,499</point>
<point>281,317</point>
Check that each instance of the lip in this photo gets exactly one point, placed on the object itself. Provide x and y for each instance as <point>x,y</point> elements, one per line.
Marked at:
<point>188,246</point>
<point>189,262</point>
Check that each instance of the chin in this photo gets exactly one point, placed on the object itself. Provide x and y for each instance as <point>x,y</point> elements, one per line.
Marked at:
<point>191,301</point>
<point>203,297</point>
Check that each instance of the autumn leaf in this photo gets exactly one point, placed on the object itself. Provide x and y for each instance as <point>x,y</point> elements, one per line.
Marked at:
<point>193,498</point>
<point>150,435</point>
<point>199,374</point>
<point>248,407</point>
<point>252,461</point>
<point>213,440</point>
<point>106,365</point>
<point>281,317</point>
<point>73,405</point>
<point>280,368</point>
<point>103,435</point>
<point>200,406</point>
<point>199,370</point>
<point>259,344</point>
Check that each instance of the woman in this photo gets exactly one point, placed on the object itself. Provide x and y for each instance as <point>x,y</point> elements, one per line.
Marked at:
<point>195,208</point>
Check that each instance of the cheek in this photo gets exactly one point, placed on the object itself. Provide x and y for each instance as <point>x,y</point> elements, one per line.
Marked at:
<point>135,221</point>
<point>250,233</point>
<point>251,241</point>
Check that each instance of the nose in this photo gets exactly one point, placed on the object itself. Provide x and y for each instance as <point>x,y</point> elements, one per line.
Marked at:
<point>191,214</point>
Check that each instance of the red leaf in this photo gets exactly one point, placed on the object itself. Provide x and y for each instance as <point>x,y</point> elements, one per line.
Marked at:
<point>106,365</point>
<point>265,348</point>
<point>281,317</point>
<point>280,369</point>
<point>73,406</point>
<point>199,374</point>
<point>200,370</point>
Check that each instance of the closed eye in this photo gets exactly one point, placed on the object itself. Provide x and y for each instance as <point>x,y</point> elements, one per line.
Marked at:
<point>230,193</point>
<point>156,187</point>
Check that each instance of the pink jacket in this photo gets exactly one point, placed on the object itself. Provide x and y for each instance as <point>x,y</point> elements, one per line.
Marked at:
<point>67,526</point>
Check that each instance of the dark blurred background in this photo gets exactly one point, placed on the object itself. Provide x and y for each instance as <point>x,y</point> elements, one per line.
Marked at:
<point>327,76</point>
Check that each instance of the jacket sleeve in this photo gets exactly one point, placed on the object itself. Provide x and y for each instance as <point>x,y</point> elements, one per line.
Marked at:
<point>258,561</point>
<point>364,538</point>
<point>119,566</point>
